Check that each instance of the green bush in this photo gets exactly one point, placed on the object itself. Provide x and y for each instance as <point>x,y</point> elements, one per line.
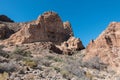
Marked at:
<point>57,69</point>
<point>29,62</point>
<point>8,67</point>
<point>21,52</point>
<point>66,74</point>
<point>56,59</point>
<point>3,53</point>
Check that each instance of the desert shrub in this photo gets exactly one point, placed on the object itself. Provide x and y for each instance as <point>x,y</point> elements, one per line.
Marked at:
<point>95,63</point>
<point>56,59</point>
<point>29,62</point>
<point>64,73</point>
<point>8,67</point>
<point>57,69</point>
<point>42,61</point>
<point>67,75</point>
<point>3,53</point>
<point>75,70</point>
<point>46,63</point>
<point>1,46</point>
<point>89,75</point>
<point>4,76</point>
<point>73,65</point>
<point>21,52</point>
<point>50,57</point>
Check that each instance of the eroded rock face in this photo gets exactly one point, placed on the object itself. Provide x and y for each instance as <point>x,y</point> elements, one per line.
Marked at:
<point>5,19</point>
<point>68,29</point>
<point>5,32</point>
<point>48,27</point>
<point>53,48</point>
<point>72,44</point>
<point>106,46</point>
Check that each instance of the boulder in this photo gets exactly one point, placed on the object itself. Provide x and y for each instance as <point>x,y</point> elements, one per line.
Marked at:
<point>71,45</point>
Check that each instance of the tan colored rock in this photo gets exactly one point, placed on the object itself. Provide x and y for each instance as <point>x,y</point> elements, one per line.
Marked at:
<point>68,29</point>
<point>48,27</point>
<point>72,44</point>
<point>106,46</point>
<point>75,43</point>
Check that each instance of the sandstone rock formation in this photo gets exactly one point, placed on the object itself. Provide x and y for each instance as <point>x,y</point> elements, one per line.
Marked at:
<point>48,27</point>
<point>5,18</point>
<point>72,44</point>
<point>106,46</point>
<point>68,29</point>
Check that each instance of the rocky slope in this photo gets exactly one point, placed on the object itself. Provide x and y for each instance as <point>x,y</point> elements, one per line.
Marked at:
<point>107,46</point>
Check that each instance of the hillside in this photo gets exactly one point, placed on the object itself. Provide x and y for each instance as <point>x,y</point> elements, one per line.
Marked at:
<point>46,49</point>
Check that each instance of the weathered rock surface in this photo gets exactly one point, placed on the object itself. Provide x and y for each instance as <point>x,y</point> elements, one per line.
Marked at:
<point>5,19</point>
<point>72,44</point>
<point>68,29</point>
<point>53,48</point>
<point>48,27</point>
<point>106,46</point>
<point>5,32</point>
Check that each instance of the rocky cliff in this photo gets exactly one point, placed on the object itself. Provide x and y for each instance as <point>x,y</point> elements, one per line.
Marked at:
<point>106,46</point>
<point>47,28</point>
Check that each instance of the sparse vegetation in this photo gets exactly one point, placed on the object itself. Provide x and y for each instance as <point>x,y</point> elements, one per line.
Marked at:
<point>57,69</point>
<point>46,49</point>
<point>4,76</point>
<point>64,73</point>
<point>3,53</point>
<point>29,62</point>
<point>55,58</point>
<point>21,52</point>
<point>95,63</point>
<point>89,75</point>
<point>7,67</point>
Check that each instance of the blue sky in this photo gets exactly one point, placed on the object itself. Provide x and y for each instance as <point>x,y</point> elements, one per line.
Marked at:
<point>88,17</point>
